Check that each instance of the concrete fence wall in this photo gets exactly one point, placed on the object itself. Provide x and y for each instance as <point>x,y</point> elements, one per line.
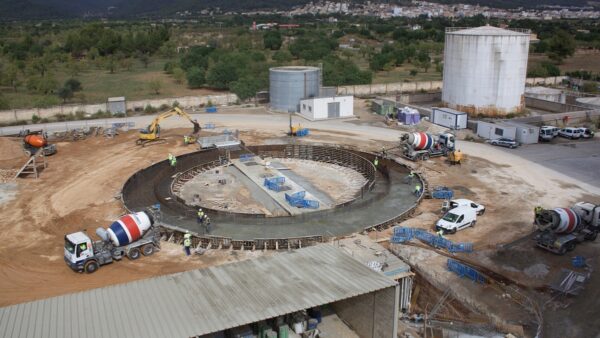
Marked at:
<point>185,101</point>
<point>575,118</point>
<point>400,87</point>
<point>552,106</point>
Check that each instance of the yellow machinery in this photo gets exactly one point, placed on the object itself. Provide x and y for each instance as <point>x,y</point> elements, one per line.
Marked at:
<point>151,135</point>
<point>455,157</point>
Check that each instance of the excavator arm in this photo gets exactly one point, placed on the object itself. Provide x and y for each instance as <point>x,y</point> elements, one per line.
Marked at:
<point>152,132</point>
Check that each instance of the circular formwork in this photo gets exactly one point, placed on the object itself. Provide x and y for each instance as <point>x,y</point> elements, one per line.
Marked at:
<point>383,200</point>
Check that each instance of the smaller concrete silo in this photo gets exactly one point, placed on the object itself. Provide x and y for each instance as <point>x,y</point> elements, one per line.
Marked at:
<point>289,85</point>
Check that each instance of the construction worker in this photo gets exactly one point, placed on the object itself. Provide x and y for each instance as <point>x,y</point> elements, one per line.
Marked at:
<point>200,217</point>
<point>207,227</point>
<point>170,157</point>
<point>173,161</point>
<point>376,161</point>
<point>418,190</point>
<point>187,243</point>
<point>537,210</point>
<point>186,139</point>
<point>440,233</point>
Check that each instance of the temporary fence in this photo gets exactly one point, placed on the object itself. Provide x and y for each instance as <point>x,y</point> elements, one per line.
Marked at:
<point>465,271</point>
<point>274,183</point>
<point>404,234</point>
<point>297,200</point>
<point>443,193</point>
<point>247,157</point>
<point>302,132</point>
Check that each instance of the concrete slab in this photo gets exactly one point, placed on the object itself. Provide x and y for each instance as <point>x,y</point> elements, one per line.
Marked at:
<point>326,201</point>
<point>257,173</point>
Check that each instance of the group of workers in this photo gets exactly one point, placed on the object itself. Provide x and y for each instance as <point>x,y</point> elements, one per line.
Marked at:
<point>202,219</point>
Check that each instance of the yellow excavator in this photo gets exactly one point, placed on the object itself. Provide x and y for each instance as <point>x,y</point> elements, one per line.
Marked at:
<point>151,135</point>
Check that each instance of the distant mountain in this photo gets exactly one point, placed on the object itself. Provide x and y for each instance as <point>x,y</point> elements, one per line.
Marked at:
<point>54,9</point>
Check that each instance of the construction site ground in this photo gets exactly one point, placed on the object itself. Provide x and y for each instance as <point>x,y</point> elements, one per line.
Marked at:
<point>80,190</point>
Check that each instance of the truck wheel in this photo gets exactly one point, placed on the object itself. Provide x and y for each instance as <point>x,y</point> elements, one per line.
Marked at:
<point>148,249</point>
<point>473,223</point>
<point>570,246</point>
<point>592,236</point>
<point>90,266</point>
<point>425,157</point>
<point>562,251</point>
<point>134,254</point>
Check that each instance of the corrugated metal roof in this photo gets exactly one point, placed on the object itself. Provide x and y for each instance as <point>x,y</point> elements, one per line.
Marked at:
<point>200,301</point>
<point>488,30</point>
<point>365,250</point>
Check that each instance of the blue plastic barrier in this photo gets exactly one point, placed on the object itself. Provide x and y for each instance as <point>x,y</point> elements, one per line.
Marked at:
<point>302,132</point>
<point>310,204</point>
<point>246,157</point>
<point>442,193</point>
<point>211,109</point>
<point>465,271</point>
<point>403,234</point>
<point>578,261</point>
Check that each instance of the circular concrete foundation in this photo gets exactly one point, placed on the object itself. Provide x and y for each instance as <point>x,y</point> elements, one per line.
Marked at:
<point>382,200</point>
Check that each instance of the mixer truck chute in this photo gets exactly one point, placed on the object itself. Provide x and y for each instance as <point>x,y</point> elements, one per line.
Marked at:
<point>561,229</point>
<point>131,235</point>
<point>422,146</point>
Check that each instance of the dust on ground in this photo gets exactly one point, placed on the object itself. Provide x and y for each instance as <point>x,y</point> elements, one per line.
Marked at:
<point>79,190</point>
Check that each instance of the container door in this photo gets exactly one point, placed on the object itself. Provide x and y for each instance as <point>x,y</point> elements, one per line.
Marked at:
<point>333,110</point>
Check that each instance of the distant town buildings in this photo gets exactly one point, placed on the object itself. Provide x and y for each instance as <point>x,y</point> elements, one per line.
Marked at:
<point>429,9</point>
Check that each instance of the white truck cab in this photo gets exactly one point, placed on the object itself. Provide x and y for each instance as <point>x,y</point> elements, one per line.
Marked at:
<point>78,248</point>
<point>457,219</point>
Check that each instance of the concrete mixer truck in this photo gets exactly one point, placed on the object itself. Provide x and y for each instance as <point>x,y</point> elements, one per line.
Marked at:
<point>131,235</point>
<point>561,229</point>
<point>34,141</point>
<point>422,146</point>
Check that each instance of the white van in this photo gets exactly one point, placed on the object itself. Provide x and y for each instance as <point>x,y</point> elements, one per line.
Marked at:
<point>571,133</point>
<point>457,219</point>
<point>547,133</point>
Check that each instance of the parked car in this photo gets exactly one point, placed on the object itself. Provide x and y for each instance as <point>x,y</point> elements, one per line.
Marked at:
<point>505,142</point>
<point>457,219</point>
<point>572,133</point>
<point>462,202</point>
<point>548,132</point>
<point>586,133</point>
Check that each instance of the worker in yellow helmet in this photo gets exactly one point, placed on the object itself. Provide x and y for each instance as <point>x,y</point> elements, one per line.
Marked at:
<point>187,243</point>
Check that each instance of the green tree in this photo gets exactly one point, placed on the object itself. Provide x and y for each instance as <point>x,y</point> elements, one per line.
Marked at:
<point>561,46</point>
<point>11,77</point>
<point>4,102</point>
<point>221,74</point>
<point>245,88</point>
<point>126,64</point>
<point>178,75</point>
<point>282,56</point>
<point>65,93</point>
<point>423,60</point>
<point>413,72</point>
<point>110,64</point>
<point>144,59</point>
<point>73,84</point>
<point>272,40</point>
<point>155,85</point>
<point>195,77</point>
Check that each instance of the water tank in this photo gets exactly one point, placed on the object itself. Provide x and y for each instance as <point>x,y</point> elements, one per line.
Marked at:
<point>485,69</point>
<point>129,228</point>
<point>288,85</point>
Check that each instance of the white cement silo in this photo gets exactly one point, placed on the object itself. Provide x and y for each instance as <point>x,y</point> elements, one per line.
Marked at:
<point>485,69</point>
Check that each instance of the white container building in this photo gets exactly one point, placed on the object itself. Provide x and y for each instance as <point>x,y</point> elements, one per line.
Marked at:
<point>323,108</point>
<point>449,118</point>
<point>525,133</point>
<point>485,69</point>
<point>495,130</point>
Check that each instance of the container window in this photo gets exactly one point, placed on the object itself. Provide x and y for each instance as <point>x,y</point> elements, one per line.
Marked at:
<point>499,131</point>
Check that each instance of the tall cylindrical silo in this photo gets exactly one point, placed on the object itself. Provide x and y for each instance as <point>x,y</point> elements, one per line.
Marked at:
<point>485,69</point>
<point>288,85</point>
